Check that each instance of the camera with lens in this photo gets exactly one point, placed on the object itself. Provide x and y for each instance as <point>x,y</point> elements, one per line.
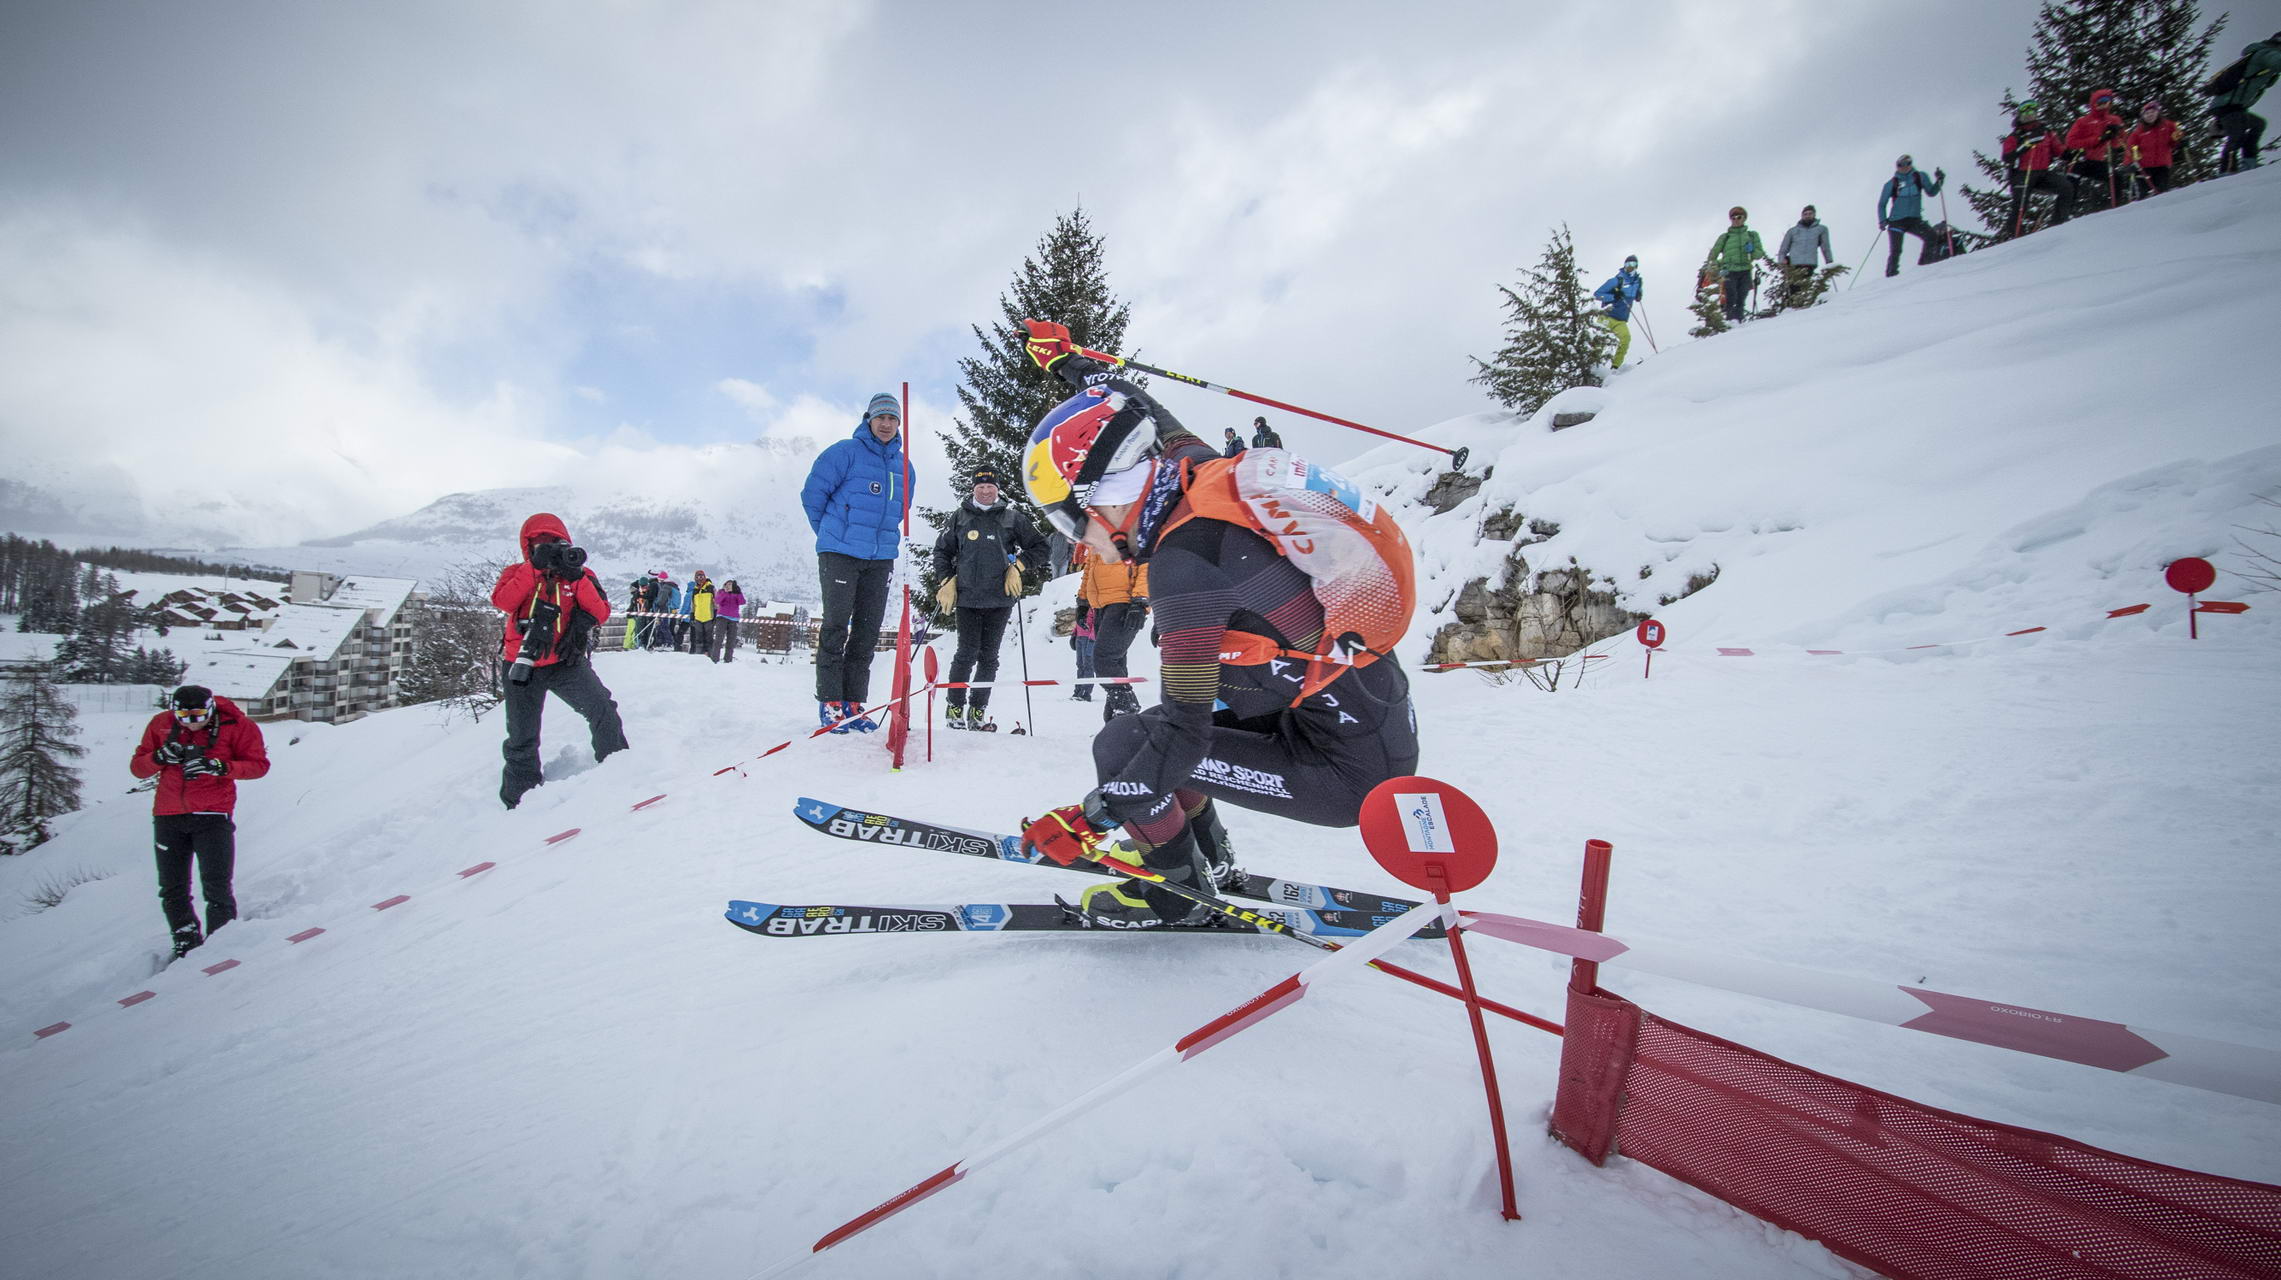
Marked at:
<point>558,558</point>
<point>538,638</point>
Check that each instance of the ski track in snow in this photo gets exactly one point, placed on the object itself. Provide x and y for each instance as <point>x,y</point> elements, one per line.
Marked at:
<point>570,1065</point>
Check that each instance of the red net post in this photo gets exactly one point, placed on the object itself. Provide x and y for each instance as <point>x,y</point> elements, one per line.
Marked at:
<point>1598,1035</point>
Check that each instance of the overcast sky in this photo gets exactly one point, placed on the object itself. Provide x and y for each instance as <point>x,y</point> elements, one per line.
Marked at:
<point>354,257</point>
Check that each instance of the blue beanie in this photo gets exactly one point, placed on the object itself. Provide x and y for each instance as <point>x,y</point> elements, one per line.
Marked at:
<point>883,403</point>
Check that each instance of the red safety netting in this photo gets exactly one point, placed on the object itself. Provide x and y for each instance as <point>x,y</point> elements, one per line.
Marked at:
<point>1909,1190</point>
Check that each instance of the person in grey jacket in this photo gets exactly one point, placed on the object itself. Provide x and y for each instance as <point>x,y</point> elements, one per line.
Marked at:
<point>1800,244</point>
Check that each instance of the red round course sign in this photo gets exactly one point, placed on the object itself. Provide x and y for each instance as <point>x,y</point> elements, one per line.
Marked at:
<point>1429,834</point>
<point>1650,634</point>
<point>933,670</point>
<point>2190,575</point>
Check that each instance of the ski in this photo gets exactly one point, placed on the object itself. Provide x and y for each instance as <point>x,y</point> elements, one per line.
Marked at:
<point>866,827</point>
<point>809,920</point>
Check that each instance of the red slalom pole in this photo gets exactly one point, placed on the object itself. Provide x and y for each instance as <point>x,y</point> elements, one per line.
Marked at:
<point>1456,456</point>
<point>899,735</point>
<point>1591,910</point>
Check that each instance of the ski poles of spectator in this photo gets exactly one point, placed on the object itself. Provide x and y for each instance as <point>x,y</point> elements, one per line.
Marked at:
<point>1647,328</point>
<point>1864,261</point>
<point>1945,228</point>
<point>1022,639</point>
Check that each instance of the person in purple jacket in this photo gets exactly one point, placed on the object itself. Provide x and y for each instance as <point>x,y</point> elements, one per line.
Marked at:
<point>728,606</point>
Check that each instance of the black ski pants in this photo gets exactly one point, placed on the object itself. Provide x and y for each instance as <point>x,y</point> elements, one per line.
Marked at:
<point>575,683</point>
<point>855,599</point>
<point>1312,778</point>
<point>1115,627</point>
<point>702,638</point>
<point>980,633</point>
<point>2244,132</point>
<point>2058,186</point>
<point>2094,185</point>
<point>1734,293</point>
<point>726,629</point>
<point>1917,227</point>
<point>212,840</point>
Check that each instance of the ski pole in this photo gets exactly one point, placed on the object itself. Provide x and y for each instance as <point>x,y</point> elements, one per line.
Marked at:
<point>1269,924</point>
<point>1456,456</point>
<point>1023,639</point>
<point>1945,228</point>
<point>1646,328</point>
<point>1864,262</point>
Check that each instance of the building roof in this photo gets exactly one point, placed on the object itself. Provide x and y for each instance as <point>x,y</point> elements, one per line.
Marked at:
<point>234,673</point>
<point>384,594</point>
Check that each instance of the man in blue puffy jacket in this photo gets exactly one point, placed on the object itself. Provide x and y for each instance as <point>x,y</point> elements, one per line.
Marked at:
<point>1901,207</point>
<point>854,498</point>
<point>1616,298</point>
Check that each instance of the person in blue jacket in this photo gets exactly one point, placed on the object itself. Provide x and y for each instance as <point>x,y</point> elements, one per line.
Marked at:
<point>855,498</point>
<point>1616,298</point>
<point>1901,207</point>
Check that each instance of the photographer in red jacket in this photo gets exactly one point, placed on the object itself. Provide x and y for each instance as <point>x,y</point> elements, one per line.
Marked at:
<point>553,603</point>
<point>198,750</point>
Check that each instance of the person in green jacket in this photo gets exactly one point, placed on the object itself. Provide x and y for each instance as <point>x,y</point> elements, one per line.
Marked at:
<point>1734,253</point>
<point>2230,116</point>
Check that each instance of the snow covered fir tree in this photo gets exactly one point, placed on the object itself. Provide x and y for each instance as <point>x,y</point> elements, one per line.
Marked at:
<point>1552,342</point>
<point>38,733</point>
<point>1001,392</point>
<point>2143,50</point>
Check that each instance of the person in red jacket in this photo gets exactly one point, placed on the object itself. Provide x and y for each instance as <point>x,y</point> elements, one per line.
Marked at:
<point>2028,153</point>
<point>199,750</point>
<point>553,603</point>
<point>2096,142</point>
<point>2153,141</point>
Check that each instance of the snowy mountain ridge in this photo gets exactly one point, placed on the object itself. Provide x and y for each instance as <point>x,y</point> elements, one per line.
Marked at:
<point>568,1064</point>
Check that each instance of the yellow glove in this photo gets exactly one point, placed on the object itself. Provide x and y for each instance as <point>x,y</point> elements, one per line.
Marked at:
<point>946,595</point>
<point>1014,578</point>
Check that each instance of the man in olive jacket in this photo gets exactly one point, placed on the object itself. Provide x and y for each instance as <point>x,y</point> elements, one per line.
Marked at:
<point>978,559</point>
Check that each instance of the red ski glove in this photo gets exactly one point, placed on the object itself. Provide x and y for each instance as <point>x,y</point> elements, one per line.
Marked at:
<point>1049,343</point>
<point>1063,835</point>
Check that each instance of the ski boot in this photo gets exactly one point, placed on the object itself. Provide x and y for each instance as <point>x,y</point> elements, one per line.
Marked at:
<point>1122,701</point>
<point>1127,904</point>
<point>861,723</point>
<point>956,718</point>
<point>1218,851</point>
<point>186,940</point>
<point>829,714</point>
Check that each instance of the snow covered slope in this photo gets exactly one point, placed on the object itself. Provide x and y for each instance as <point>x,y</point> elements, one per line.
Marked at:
<point>569,1065</point>
<point>2018,433</point>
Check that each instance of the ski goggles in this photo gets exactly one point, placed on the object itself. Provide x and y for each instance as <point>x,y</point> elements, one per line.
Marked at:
<point>193,715</point>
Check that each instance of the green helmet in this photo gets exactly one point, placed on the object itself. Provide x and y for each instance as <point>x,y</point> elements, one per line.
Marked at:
<point>2028,108</point>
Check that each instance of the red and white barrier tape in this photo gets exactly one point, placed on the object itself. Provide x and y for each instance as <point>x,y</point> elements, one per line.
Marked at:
<point>1514,664</point>
<point>823,729</point>
<point>2170,1056</point>
<point>1250,1013</point>
<point>212,970</point>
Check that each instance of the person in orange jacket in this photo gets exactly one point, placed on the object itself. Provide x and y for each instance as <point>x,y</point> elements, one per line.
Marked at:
<point>1117,592</point>
<point>199,749</point>
<point>2096,142</point>
<point>553,603</point>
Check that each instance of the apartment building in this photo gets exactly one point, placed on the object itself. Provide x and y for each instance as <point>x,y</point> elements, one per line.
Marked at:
<point>331,651</point>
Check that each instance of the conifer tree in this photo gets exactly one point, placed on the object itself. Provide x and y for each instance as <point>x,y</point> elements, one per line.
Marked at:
<point>37,728</point>
<point>1002,393</point>
<point>2141,49</point>
<point>1813,287</point>
<point>1552,341</point>
<point>96,652</point>
<point>1709,307</point>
